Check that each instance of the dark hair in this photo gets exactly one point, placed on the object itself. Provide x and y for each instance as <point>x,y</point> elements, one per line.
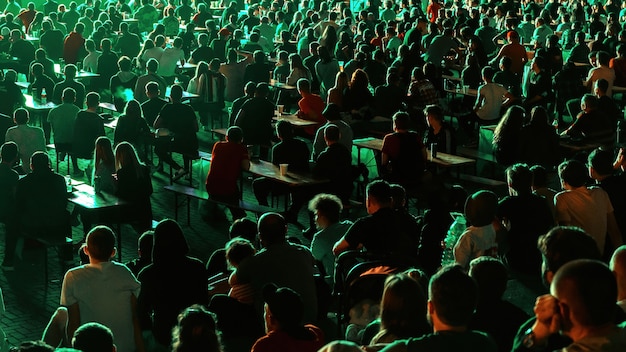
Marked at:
<point>574,173</point>
<point>244,228</point>
<point>379,190</point>
<point>169,243</point>
<point>93,337</point>
<point>510,124</point>
<point>8,151</point>
<point>238,249</point>
<point>93,99</point>
<point>454,295</point>
<point>540,176</point>
<point>33,346</point>
<point>101,243</point>
<point>403,307</point>
<point>196,331</point>
<point>562,244</point>
<point>491,277</point>
<point>601,161</point>
<point>332,133</point>
<point>234,134</point>
<point>20,116</point>
<point>284,129</point>
<point>272,228</point>
<point>327,205</point>
<point>520,178</point>
<point>480,208</point>
<point>401,120</point>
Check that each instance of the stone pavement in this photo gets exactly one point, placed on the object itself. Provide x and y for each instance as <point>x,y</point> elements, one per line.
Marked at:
<point>30,301</point>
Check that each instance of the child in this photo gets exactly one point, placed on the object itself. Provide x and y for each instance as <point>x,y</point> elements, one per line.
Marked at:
<point>237,250</point>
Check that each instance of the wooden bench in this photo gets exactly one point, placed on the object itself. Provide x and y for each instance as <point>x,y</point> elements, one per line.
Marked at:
<point>474,153</point>
<point>483,181</point>
<point>190,192</point>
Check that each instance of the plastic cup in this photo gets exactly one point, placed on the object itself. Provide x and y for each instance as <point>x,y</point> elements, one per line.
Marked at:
<point>281,109</point>
<point>283,169</point>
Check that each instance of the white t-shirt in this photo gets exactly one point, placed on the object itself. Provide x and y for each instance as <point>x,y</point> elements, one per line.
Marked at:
<point>90,62</point>
<point>152,53</point>
<point>475,242</point>
<point>493,94</point>
<point>602,72</point>
<point>103,293</point>
<point>169,58</point>
<point>586,208</point>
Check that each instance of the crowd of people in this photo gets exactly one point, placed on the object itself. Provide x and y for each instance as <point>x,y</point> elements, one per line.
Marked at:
<point>539,72</point>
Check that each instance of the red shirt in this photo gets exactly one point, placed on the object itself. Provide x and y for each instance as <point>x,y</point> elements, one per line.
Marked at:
<point>311,107</point>
<point>27,18</point>
<point>72,46</point>
<point>433,11</point>
<point>225,168</point>
<point>280,341</point>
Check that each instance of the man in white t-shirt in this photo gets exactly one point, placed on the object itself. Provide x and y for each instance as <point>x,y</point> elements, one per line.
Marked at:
<point>602,70</point>
<point>169,59</point>
<point>586,207</point>
<point>489,101</point>
<point>102,291</point>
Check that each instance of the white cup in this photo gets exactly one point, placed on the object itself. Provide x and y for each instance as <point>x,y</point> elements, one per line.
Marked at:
<point>281,108</point>
<point>283,169</point>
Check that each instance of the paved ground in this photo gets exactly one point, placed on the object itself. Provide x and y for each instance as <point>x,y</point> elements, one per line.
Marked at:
<point>30,301</point>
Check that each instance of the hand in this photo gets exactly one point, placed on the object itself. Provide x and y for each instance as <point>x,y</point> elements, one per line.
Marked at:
<point>548,318</point>
<point>619,160</point>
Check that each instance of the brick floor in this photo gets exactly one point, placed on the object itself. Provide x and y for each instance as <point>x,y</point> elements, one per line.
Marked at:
<point>30,302</point>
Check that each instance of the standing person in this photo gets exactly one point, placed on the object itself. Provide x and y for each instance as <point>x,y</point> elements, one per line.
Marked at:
<point>102,291</point>
<point>8,215</point>
<point>403,156</point>
<point>170,59</point>
<point>88,126</point>
<point>73,44</point>
<point>180,120</point>
<point>107,64</point>
<point>255,117</point>
<point>61,119</point>
<point>29,139</point>
<point>325,70</point>
<point>152,107</point>
<point>211,87</point>
<point>122,82</point>
<point>234,69</point>
<point>229,159</point>
<point>164,291</point>
<point>452,298</point>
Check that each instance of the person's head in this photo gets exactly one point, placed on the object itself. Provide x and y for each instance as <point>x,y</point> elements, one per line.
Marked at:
<point>401,121</point>
<point>403,306</point>
<point>133,109</point>
<point>398,196</point>
<point>169,243</point>
<point>332,134</point>
<point>105,45</point>
<point>434,115</point>
<point>100,244</point>
<point>37,69</point>
<point>234,134</point>
<point>304,86</point>
<point>40,162</point>
<point>284,309</point>
<point>452,297</point>
<point>586,291</point>
<point>238,249</point>
<point>519,179</point>
<point>262,90</point>
<point>196,330</point>
<point>126,157</point>
<point>480,208</point>
<point>284,130</point>
<point>21,116</point>
<point>152,65</point>
<point>93,100</point>
<point>103,152</point>
<point>93,337</point>
<point>603,58</point>
<point>33,346</point>
<point>272,229</point>
<point>9,152</point>
<point>244,228</point>
<point>144,245</point>
<point>176,93</point>
<point>512,37</point>
<point>600,163</point>
<point>600,87</point>
<point>491,276</point>
<point>563,244</point>
<point>378,195</point>
<point>70,71</point>
<point>326,208</point>
<point>573,174</point>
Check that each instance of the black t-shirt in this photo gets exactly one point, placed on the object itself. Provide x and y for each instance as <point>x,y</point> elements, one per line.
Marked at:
<point>10,97</point>
<point>88,126</point>
<point>151,109</point>
<point>180,119</point>
<point>77,86</point>
<point>52,42</point>
<point>203,53</point>
<point>255,119</point>
<point>293,152</point>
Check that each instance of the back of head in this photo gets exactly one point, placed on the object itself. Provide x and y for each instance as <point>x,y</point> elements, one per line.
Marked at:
<point>20,116</point>
<point>176,93</point>
<point>401,120</point>
<point>152,88</point>
<point>379,191</point>
<point>262,90</point>
<point>284,129</point>
<point>93,337</point>
<point>574,173</point>
<point>234,134</point>
<point>563,244</point>
<point>540,176</point>
<point>33,346</point>
<point>332,133</point>
<point>272,229</point>
<point>601,161</point>
<point>589,289</point>
<point>520,178</point>
<point>403,306</point>
<point>101,243</point>
<point>480,208</point>
<point>454,295</point>
<point>69,95</point>
<point>491,277</point>
<point>169,242</point>
<point>244,228</point>
<point>93,99</point>
<point>196,331</point>
<point>327,205</point>
<point>152,65</point>
<point>285,305</point>
<point>9,152</point>
<point>40,162</point>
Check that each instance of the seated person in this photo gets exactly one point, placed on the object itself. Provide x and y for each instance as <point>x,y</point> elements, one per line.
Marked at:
<point>29,139</point>
<point>311,106</point>
<point>590,123</point>
<point>403,155</point>
<point>289,150</point>
<point>439,132</point>
<point>255,117</point>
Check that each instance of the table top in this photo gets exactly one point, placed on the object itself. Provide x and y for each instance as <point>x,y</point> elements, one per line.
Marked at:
<point>85,197</point>
<point>442,159</point>
<point>295,120</point>
<point>274,83</point>
<point>32,104</point>
<point>469,92</point>
<point>187,66</point>
<point>269,170</point>
<point>186,94</point>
